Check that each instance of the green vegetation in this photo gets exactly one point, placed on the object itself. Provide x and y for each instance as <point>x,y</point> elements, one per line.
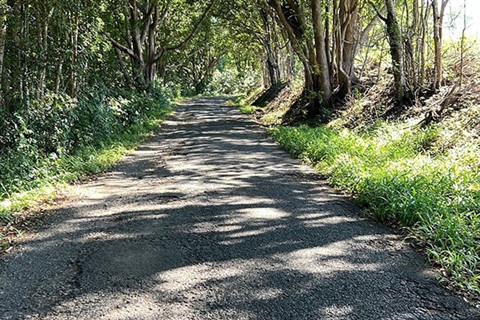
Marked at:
<point>61,140</point>
<point>403,173</point>
<point>247,109</point>
<point>80,85</point>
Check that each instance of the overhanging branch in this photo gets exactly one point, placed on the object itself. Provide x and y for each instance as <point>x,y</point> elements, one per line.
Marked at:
<point>194,30</point>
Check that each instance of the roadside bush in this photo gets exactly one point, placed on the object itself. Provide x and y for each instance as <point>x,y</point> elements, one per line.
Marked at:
<point>45,140</point>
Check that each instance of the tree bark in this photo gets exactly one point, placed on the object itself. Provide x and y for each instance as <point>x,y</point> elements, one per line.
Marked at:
<point>73,60</point>
<point>320,69</point>
<point>347,39</point>
<point>395,40</point>
<point>3,34</point>
<point>271,63</point>
<point>438,14</point>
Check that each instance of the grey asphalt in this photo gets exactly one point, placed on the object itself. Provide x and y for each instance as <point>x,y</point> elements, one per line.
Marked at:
<point>210,219</point>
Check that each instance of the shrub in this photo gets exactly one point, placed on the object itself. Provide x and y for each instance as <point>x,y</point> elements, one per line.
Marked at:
<point>37,138</point>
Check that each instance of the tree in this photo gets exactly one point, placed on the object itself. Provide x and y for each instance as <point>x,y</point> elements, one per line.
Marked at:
<point>142,22</point>
<point>3,32</point>
<point>269,41</point>
<point>347,33</point>
<point>397,52</point>
<point>438,13</point>
<point>307,37</point>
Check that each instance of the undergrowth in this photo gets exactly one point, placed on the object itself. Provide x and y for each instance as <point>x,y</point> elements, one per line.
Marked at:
<point>61,140</point>
<point>422,178</point>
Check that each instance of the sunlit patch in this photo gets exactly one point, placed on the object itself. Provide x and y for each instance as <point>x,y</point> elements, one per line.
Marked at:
<point>118,306</point>
<point>5,204</point>
<point>267,294</point>
<point>230,242</point>
<point>337,312</point>
<point>251,233</point>
<point>229,228</point>
<point>264,213</point>
<point>328,259</point>
<point>186,278</point>
<point>326,221</point>
<point>96,236</point>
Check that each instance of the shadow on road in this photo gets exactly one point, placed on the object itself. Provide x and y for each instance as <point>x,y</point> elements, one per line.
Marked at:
<point>211,220</point>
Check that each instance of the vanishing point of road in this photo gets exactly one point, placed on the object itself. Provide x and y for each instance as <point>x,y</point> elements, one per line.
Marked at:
<point>210,219</point>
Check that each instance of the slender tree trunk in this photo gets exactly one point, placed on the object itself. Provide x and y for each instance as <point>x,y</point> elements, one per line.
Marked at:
<point>329,36</point>
<point>320,68</point>
<point>348,34</point>
<point>438,14</point>
<point>422,48</point>
<point>3,34</point>
<point>271,62</point>
<point>462,43</point>
<point>396,50</point>
<point>73,60</point>
<point>43,45</point>
<point>58,76</point>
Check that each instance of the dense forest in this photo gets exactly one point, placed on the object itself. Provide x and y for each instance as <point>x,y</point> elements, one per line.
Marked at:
<point>374,93</point>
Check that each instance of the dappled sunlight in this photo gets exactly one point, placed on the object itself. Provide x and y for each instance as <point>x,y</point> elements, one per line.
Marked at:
<point>263,213</point>
<point>268,294</point>
<point>205,221</point>
<point>250,233</point>
<point>338,312</point>
<point>324,221</point>
<point>327,261</point>
<point>185,278</point>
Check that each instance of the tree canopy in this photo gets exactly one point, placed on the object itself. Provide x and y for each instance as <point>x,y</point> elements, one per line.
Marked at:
<point>70,46</point>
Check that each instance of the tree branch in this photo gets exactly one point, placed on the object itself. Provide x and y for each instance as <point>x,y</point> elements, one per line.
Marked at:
<point>122,48</point>
<point>194,30</point>
<point>377,11</point>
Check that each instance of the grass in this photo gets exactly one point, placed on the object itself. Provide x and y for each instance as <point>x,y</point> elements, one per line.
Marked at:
<point>405,175</point>
<point>246,109</point>
<point>243,102</point>
<point>52,173</point>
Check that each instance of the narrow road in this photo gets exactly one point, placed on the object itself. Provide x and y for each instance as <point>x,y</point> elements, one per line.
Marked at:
<point>210,219</point>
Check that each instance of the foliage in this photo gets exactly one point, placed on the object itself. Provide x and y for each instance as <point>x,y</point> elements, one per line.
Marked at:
<point>60,139</point>
<point>247,109</point>
<point>232,81</point>
<point>396,172</point>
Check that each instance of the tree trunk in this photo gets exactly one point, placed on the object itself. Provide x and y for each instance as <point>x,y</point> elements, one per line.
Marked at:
<point>438,14</point>
<point>320,68</point>
<point>421,49</point>
<point>396,51</point>
<point>348,36</point>
<point>43,45</point>
<point>271,62</point>
<point>3,33</point>
<point>58,76</point>
<point>73,60</point>
<point>3,78</point>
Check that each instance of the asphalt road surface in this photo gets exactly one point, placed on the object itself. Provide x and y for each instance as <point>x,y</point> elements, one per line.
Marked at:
<point>210,219</point>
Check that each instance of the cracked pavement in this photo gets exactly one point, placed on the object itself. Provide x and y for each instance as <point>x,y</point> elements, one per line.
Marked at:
<point>210,219</point>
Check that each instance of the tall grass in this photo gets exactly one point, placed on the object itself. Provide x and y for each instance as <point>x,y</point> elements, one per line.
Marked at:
<point>405,175</point>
